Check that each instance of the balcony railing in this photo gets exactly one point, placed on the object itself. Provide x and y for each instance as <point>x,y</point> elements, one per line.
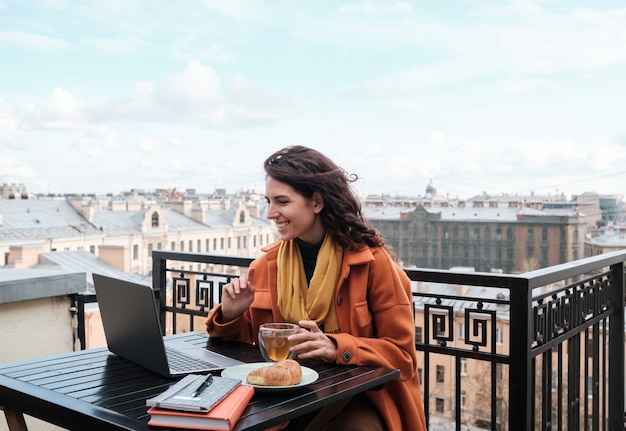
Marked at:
<point>542,350</point>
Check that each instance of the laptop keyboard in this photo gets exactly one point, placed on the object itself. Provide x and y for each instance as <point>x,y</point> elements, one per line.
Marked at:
<point>179,362</point>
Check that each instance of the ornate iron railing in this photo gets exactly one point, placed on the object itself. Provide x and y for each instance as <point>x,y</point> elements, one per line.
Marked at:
<point>541,350</point>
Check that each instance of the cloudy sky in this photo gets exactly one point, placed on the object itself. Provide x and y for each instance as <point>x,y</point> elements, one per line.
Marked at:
<point>489,96</point>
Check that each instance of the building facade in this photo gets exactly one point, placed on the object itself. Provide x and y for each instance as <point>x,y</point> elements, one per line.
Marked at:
<point>124,232</point>
<point>485,235</point>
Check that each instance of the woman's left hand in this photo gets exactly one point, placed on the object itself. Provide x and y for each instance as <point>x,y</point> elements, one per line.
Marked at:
<point>312,343</point>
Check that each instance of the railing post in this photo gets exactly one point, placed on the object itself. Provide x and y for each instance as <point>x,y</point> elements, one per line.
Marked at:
<point>80,310</point>
<point>616,349</point>
<point>520,367</point>
<point>159,266</point>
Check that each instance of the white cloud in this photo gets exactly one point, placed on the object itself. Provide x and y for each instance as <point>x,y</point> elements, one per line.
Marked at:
<point>63,104</point>
<point>239,9</point>
<point>148,145</point>
<point>436,137</point>
<point>377,8</point>
<point>193,89</point>
<point>13,168</point>
<point>87,148</point>
<point>13,39</point>
<point>60,111</point>
<point>115,46</point>
<point>8,123</point>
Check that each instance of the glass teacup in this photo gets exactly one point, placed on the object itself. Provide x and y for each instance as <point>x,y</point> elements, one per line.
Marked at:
<point>273,342</point>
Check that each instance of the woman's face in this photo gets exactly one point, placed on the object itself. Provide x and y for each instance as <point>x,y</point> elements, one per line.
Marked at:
<point>294,215</point>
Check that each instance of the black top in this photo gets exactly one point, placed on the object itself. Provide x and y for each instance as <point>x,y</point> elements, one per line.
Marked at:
<point>309,256</point>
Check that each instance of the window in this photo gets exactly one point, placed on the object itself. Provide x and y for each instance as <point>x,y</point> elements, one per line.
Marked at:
<point>173,246</point>
<point>463,366</point>
<point>463,396</point>
<point>440,374</point>
<point>200,246</point>
<point>190,245</point>
<point>155,219</point>
<point>439,328</point>
<point>499,336</point>
<point>544,234</point>
<point>242,217</point>
<point>182,246</point>
<point>439,404</point>
<point>135,252</point>
<point>92,249</point>
<point>419,375</point>
<point>499,372</point>
<point>418,334</point>
<point>530,235</point>
<point>461,334</point>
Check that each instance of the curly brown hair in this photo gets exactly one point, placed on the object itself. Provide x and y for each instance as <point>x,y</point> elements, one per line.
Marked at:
<point>308,171</point>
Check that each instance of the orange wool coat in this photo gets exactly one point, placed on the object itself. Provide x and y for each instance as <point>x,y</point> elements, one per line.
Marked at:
<point>373,300</point>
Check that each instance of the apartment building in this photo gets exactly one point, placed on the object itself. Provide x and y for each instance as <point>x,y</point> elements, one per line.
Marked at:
<point>124,232</point>
<point>487,235</point>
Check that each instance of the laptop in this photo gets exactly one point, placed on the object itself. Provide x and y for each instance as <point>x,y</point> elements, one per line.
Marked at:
<point>133,332</point>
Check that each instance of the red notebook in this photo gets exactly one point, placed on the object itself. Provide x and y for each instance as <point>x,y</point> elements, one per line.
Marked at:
<point>221,417</point>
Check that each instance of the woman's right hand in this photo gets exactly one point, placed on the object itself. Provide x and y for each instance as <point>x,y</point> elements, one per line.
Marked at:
<point>237,296</point>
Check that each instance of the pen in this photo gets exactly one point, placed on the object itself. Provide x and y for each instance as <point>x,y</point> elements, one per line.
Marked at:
<point>207,381</point>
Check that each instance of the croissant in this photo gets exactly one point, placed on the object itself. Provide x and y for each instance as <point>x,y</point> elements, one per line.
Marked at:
<point>281,373</point>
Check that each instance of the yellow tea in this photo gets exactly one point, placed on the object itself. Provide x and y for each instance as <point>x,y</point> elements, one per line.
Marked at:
<point>273,342</point>
<point>276,346</point>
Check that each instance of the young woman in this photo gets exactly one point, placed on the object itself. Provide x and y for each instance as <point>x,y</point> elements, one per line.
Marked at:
<point>330,273</point>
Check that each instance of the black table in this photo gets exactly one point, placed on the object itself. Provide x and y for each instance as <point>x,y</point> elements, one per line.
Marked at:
<point>95,389</point>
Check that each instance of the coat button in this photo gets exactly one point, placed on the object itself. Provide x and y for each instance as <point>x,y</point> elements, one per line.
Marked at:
<point>339,300</point>
<point>346,356</point>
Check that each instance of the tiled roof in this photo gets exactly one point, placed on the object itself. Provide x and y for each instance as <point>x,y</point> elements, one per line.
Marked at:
<point>41,219</point>
<point>82,261</point>
<point>129,222</point>
<point>609,238</point>
<point>224,219</point>
<point>461,213</point>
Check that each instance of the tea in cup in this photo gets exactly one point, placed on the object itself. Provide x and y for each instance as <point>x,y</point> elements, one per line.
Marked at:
<point>273,342</point>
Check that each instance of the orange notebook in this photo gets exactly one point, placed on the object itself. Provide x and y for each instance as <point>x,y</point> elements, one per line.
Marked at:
<point>221,417</point>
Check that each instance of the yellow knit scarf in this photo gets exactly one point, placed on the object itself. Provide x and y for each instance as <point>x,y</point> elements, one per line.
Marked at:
<point>296,300</point>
